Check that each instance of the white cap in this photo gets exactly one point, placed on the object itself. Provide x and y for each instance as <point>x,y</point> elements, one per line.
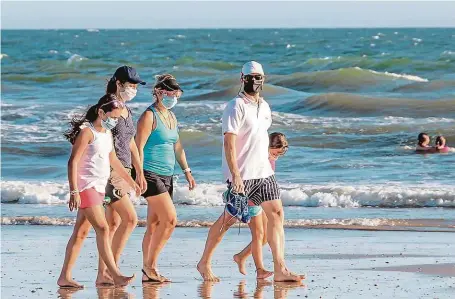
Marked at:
<point>252,67</point>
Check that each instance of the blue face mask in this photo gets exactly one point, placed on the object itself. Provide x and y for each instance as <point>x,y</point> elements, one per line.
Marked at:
<point>109,123</point>
<point>169,102</point>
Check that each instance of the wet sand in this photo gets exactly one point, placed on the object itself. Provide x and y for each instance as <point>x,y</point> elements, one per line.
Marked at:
<point>338,264</point>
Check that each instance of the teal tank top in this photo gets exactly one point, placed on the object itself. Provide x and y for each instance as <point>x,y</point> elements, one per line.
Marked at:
<point>159,154</point>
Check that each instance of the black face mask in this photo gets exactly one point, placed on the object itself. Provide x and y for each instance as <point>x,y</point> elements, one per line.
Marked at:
<point>251,86</point>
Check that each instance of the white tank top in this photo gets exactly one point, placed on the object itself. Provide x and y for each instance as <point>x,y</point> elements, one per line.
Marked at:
<point>94,167</point>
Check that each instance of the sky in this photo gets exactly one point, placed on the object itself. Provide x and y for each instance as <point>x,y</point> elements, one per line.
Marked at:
<point>223,14</point>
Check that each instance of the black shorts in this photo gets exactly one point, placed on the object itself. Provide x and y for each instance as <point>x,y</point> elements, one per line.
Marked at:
<point>261,190</point>
<point>117,187</point>
<point>158,184</point>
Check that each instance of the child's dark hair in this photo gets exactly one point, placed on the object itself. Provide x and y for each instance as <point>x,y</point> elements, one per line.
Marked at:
<point>107,103</point>
<point>421,137</point>
<point>277,140</point>
<point>439,141</point>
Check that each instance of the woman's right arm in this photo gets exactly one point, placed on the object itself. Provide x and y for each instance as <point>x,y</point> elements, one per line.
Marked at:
<point>144,129</point>
<point>82,140</point>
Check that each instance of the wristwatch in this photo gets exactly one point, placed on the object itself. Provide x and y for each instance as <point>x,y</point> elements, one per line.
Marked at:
<point>187,170</point>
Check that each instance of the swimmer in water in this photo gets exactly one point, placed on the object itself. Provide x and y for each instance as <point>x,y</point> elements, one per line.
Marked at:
<point>440,145</point>
<point>423,144</point>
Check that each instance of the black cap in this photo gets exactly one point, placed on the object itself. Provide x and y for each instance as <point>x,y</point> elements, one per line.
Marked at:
<point>127,74</point>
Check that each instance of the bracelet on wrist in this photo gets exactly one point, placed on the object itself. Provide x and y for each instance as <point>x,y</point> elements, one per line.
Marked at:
<point>186,170</point>
<point>74,192</point>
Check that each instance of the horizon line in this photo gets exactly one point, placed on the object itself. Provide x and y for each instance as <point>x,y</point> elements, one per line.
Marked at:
<point>234,28</point>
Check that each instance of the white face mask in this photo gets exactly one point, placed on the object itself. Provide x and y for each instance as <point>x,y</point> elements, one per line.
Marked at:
<point>169,102</point>
<point>128,93</point>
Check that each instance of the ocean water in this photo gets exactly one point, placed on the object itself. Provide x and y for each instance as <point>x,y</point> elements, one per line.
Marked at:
<point>351,102</point>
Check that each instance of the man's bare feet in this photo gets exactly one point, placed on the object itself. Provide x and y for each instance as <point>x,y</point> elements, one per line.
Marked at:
<point>122,281</point>
<point>240,263</point>
<point>263,274</point>
<point>206,272</point>
<point>68,283</point>
<point>104,279</point>
<point>286,275</point>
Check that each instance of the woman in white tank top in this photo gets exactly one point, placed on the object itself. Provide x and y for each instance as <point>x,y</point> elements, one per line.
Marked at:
<point>89,165</point>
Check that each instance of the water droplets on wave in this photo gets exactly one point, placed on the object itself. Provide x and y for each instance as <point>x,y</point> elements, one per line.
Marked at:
<point>75,58</point>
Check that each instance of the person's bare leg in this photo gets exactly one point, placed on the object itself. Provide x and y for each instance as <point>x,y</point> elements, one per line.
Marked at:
<point>275,230</point>
<point>152,222</point>
<point>124,207</point>
<point>241,257</point>
<point>113,220</point>
<point>80,232</point>
<point>257,233</point>
<point>97,219</point>
<point>216,233</point>
<point>164,208</point>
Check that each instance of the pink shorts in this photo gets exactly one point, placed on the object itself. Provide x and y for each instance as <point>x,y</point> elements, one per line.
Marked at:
<point>90,198</point>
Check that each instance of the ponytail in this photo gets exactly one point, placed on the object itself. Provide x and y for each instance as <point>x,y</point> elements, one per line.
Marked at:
<point>77,121</point>
<point>111,86</point>
<point>108,102</point>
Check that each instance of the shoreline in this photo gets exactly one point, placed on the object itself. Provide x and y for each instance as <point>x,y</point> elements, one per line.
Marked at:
<point>338,264</point>
<point>360,224</point>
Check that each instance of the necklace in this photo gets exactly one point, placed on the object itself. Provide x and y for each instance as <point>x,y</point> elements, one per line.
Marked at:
<point>167,119</point>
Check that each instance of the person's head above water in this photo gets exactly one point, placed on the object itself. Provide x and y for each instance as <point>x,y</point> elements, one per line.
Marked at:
<point>440,142</point>
<point>252,77</point>
<point>124,83</point>
<point>278,145</point>
<point>108,110</point>
<point>166,91</point>
<point>423,139</point>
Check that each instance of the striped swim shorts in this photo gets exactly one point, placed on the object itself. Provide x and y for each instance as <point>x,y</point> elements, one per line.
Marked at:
<point>261,190</point>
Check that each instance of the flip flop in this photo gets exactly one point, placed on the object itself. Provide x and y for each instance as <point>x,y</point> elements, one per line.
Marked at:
<point>149,278</point>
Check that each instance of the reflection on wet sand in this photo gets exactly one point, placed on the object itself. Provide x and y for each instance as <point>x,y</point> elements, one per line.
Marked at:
<point>152,290</point>
<point>113,293</point>
<point>260,285</point>
<point>280,289</point>
<point>205,289</point>
<point>63,293</point>
<point>102,292</point>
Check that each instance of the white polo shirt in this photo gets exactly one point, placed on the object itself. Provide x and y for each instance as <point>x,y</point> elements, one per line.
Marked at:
<point>250,122</point>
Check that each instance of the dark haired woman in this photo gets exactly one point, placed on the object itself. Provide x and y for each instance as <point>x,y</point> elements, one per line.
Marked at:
<point>92,155</point>
<point>423,143</point>
<point>159,148</point>
<point>120,212</point>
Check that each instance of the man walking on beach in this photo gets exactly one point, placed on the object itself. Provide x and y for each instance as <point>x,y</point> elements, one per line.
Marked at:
<point>247,170</point>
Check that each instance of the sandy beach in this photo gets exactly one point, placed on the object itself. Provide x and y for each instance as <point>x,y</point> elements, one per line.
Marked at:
<point>338,264</point>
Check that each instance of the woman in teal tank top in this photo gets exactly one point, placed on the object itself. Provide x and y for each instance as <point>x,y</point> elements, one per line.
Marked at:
<point>159,148</point>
